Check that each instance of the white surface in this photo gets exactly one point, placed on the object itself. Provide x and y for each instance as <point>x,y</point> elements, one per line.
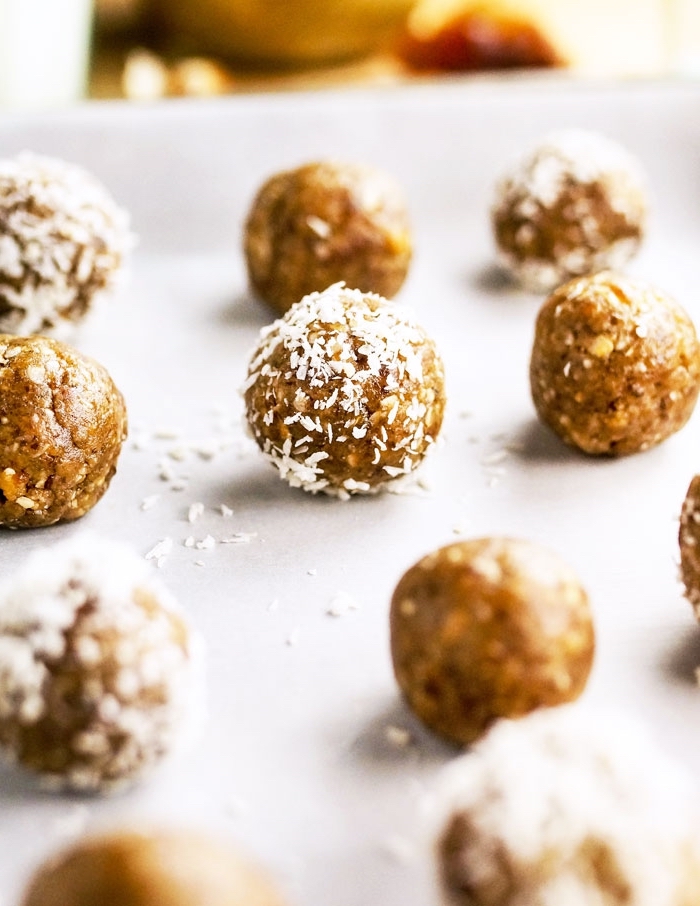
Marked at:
<point>295,763</point>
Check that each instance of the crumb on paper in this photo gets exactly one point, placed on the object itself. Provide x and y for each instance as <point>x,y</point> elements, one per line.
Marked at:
<point>160,551</point>
<point>189,541</point>
<point>149,502</point>
<point>312,572</point>
<point>225,511</point>
<point>195,511</point>
<point>340,604</point>
<point>293,637</point>
<point>399,737</point>
<point>240,538</point>
<point>206,544</point>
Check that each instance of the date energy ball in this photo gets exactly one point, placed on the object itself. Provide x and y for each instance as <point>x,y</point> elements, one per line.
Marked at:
<point>689,542</point>
<point>63,242</point>
<point>560,809</point>
<point>150,868</point>
<point>62,425</point>
<point>615,365</point>
<point>99,672</point>
<point>345,394</point>
<point>485,629</point>
<point>323,223</point>
<point>575,204</point>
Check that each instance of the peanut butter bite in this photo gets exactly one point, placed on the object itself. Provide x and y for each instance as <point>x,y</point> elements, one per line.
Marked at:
<point>486,629</point>
<point>62,425</point>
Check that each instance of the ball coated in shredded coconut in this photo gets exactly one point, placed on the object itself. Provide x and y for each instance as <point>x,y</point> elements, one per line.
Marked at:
<point>345,393</point>
<point>322,223</point>
<point>615,365</point>
<point>561,809</point>
<point>63,241</point>
<point>150,868</point>
<point>98,668</point>
<point>489,628</point>
<point>575,204</point>
<point>62,425</point>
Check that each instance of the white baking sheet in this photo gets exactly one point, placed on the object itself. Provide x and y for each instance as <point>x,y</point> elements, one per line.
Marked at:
<point>295,763</point>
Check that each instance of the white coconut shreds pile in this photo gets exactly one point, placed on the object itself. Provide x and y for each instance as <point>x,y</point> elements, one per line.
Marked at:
<point>345,392</point>
<point>99,675</point>
<point>63,242</point>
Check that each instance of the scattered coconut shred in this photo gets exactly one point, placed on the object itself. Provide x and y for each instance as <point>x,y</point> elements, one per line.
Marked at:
<point>100,676</point>
<point>345,393</point>
<point>63,242</point>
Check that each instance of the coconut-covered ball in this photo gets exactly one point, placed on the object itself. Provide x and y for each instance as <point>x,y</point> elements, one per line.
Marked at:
<point>323,223</point>
<point>63,242</point>
<point>150,868</point>
<point>489,628</point>
<point>689,543</point>
<point>575,204</point>
<point>62,425</point>
<point>615,364</point>
<point>563,810</point>
<point>345,393</point>
<point>98,668</point>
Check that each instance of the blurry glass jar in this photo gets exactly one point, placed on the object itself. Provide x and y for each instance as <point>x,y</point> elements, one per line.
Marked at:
<point>284,33</point>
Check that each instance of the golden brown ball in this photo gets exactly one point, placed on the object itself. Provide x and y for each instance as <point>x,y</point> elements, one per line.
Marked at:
<point>323,223</point>
<point>615,364</point>
<point>62,425</point>
<point>155,868</point>
<point>489,628</point>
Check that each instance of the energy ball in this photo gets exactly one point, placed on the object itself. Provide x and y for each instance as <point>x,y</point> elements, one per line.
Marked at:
<point>63,241</point>
<point>345,393</point>
<point>324,223</point>
<point>98,668</point>
<point>157,868</point>
<point>564,809</point>
<point>689,542</point>
<point>62,425</point>
<point>615,365</point>
<point>485,629</point>
<point>575,204</point>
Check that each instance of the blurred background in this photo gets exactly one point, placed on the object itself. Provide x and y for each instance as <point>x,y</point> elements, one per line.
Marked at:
<point>57,51</point>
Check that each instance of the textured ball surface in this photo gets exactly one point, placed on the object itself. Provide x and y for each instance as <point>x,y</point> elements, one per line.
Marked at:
<point>345,393</point>
<point>323,223</point>
<point>489,628</point>
<point>573,205</point>
<point>615,365</point>
<point>97,666</point>
<point>62,425</point>
<point>63,242</point>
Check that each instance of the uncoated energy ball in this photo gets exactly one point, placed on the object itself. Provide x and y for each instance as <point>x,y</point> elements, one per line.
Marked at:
<point>560,809</point>
<point>489,628</point>
<point>575,204</point>
<point>98,668</point>
<point>323,223</point>
<point>62,425</point>
<point>63,242</point>
<point>153,868</point>
<point>689,542</point>
<point>615,365</point>
<point>345,393</point>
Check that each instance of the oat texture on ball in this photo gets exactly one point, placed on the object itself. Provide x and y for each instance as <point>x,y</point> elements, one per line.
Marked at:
<point>323,223</point>
<point>62,425</point>
<point>568,808</point>
<point>615,365</point>
<point>575,204</point>
<point>162,867</point>
<point>99,671</point>
<point>689,543</point>
<point>63,243</point>
<point>486,629</point>
<point>345,393</point>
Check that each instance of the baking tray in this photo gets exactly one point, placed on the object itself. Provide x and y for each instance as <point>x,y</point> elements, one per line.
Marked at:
<point>298,762</point>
